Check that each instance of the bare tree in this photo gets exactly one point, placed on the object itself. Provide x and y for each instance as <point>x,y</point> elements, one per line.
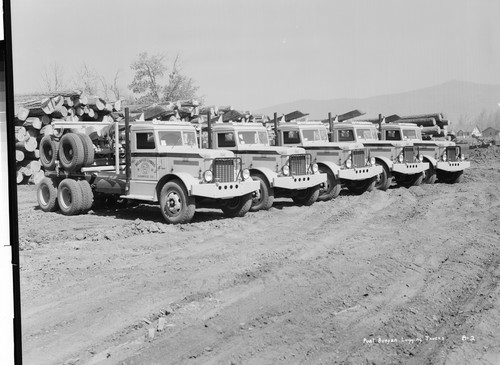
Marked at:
<point>87,80</point>
<point>53,78</point>
<point>150,86</point>
<point>149,71</point>
<point>179,86</point>
<point>114,86</point>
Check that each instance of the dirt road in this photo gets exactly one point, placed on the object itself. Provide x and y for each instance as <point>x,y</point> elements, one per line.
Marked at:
<point>405,276</point>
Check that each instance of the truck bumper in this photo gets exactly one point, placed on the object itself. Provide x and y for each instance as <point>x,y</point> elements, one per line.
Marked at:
<point>299,182</point>
<point>410,168</point>
<point>362,173</point>
<point>225,190</point>
<point>452,166</point>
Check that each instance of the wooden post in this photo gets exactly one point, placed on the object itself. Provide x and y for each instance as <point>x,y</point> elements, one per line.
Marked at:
<point>127,149</point>
<point>276,131</point>
<point>330,123</point>
<point>209,129</point>
<point>380,126</point>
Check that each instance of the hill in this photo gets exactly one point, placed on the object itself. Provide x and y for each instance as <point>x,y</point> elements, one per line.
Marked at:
<point>463,103</point>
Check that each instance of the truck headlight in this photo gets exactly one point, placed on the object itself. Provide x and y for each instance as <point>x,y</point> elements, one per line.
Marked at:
<point>401,157</point>
<point>348,163</point>
<point>420,157</point>
<point>372,161</point>
<point>462,157</point>
<point>286,170</point>
<point>314,168</point>
<point>444,157</point>
<point>208,176</point>
<point>245,174</point>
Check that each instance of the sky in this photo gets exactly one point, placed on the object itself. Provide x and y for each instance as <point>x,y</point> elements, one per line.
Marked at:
<point>252,54</point>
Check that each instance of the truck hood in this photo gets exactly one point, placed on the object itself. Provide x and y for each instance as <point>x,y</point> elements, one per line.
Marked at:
<point>435,143</point>
<point>393,143</point>
<point>336,145</point>
<point>204,153</point>
<point>281,150</point>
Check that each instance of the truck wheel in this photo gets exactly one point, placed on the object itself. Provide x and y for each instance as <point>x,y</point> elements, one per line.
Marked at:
<point>265,195</point>
<point>411,180</point>
<point>237,206</point>
<point>70,197</point>
<point>47,195</point>
<point>175,203</point>
<point>430,175</point>
<point>71,152</point>
<point>384,180</point>
<point>48,152</point>
<point>87,194</point>
<point>307,196</point>
<point>88,149</point>
<point>450,177</point>
<point>359,187</point>
<point>332,186</point>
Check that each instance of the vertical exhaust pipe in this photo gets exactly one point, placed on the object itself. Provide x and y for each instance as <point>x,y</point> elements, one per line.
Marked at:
<point>209,129</point>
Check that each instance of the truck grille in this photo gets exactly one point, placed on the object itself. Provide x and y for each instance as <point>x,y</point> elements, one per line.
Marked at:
<point>223,169</point>
<point>452,153</point>
<point>298,165</point>
<point>358,158</point>
<point>409,154</point>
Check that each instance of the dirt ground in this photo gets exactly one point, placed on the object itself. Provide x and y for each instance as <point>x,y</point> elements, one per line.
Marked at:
<point>407,276</point>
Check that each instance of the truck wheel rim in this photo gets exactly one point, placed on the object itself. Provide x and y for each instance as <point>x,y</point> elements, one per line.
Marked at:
<point>44,194</point>
<point>66,198</point>
<point>174,203</point>
<point>256,199</point>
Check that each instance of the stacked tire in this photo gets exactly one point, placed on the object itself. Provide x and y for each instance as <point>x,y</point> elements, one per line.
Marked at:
<point>71,196</point>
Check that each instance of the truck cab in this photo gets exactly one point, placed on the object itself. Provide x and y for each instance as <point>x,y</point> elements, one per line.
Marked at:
<point>346,164</point>
<point>446,160</point>
<point>286,172</point>
<point>399,159</point>
<point>155,161</point>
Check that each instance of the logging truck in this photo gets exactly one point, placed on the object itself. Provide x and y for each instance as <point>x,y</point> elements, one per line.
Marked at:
<point>400,160</point>
<point>446,160</point>
<point>286,172</point>
<point>346,164</point>
<point>149,161</point>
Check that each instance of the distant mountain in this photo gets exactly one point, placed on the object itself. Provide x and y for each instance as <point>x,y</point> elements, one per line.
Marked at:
<point>463,103</point>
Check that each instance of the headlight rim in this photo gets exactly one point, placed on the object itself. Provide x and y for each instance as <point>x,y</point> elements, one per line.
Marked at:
<point>210,178</point>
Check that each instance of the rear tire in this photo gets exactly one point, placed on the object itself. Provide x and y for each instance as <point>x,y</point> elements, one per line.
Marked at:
<point>237,206</point>
<point>70,197</point>
<point>71,152</point>
<point>265,198</point>
<point>88,149</point>
<point>48,153</point>
<point>47,195</point>
<point>307,197</point>
<point>176,205</point>
<point>332,186</point>
<point>88,195</point>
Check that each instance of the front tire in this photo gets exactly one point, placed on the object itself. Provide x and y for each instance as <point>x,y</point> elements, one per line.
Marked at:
<point>359,187</point>
<point>332,186</point>
<point>452,177</point>
<point>307,197</point>
<point>265,196</point>
<point>384,180</point>
<point>237,206</point>
<point>412,180</point>
<point>176,205</point>
<point>430,175</point>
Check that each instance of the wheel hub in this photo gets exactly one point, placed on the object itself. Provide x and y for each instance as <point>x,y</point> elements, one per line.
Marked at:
<point>173,203</point>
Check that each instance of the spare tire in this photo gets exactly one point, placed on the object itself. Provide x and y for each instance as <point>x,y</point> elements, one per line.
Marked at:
<point>88,149</point>
<point>71,152</point>
<point>48,152</point>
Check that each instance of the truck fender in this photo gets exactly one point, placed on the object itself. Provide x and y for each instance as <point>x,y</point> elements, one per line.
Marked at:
<point>430,160</point>
<point>331,166</point>
<point>186,179</point>
<point>268,173</point>
<point>384,160</point>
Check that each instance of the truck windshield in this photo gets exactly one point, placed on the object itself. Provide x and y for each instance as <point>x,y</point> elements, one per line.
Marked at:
<point>311,135</point>
<point>411,134</point>
<point>253,137</point>
<point>177,138</point>
<point>366,133</point>
<point>346,135</point>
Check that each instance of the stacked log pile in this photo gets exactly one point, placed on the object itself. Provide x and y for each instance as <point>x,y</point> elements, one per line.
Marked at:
<point>34,119</point>
<point>432,125</point>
